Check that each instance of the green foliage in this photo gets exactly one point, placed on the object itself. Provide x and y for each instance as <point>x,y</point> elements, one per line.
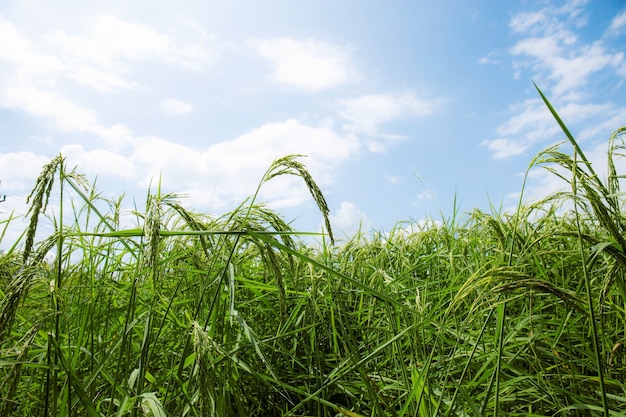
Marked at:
<point>191,315</point>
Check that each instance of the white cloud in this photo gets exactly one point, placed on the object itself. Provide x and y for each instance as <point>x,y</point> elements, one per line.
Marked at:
<point>19,171</point>
<point>573,8</point>
<point>548,18</point>
<point>111,37</point>
<point>307,64</point>
<point>489,59</point>
<point>544,49</point>
<point>173,106</point>
<point>14,46</point>
<point>50,104</point>
<point>618,23</point>
<point>46,140</point>
<point>111,41</point>
<point>533,124</point>
<point>505,148</point>
<point>603,129</point>
<point>117,136</point>
<point>553,50</point>
<point>365,114</point>
<point>348,219</point>
<point>425,196</point>
<point>525,21</point>
<point>98,162</point>
<point>33,76</point>
<point>66,114</point>
<point>215,177</point>
<point>563,67</point>
<point>573,73</point>
<point>225,173</point>
<point>244,159</point>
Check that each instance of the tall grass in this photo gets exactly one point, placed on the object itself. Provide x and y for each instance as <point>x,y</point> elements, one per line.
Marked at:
<point>191,315</point>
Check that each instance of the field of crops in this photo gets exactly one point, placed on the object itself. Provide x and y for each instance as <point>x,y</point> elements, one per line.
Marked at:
<point>190,315</point>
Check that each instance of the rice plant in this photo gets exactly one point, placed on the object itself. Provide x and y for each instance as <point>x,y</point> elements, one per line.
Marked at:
<point>186,314</point>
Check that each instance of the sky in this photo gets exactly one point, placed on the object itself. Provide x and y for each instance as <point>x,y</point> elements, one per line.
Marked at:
<point>405,110</point>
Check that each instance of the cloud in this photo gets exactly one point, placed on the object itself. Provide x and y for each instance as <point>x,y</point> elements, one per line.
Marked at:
<point>15,47</point>
<point>489,59</point>
<point>366,114</point>
<point>98,162</point>
<point>217,177</point>
<point>307,64</point>
<point>618,23</point>
<point>604,127</point>
<point>573,73</point>
<point>505,148</point>
<point>176,107</point>
<point>552,49</point>
<point>533,124</point>
<point>67,115</point>
<point>111,42</point>
<point>19,171</point>
<point>225,173</point>
<point>244,160</point>
<point>570,70</point>
<point>348,219</point>
<point>425,196</point>
<point>33,77</point>
<point>548,18</point>
<point>530,115</point>
<point>525,21</point>
<point>563,66</point>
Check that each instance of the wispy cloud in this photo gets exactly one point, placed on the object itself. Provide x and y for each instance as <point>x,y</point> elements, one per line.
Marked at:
<point>618,24</point>
<point>490,58</point>
<point>551,48</point>
<point>308,64</point>
<point>34,74</point>
<point>525,21</point>
<point>366,114</point>
<point>563,66</point>
<point>533,124</point>
<point>505,148</point>
<point>425,195</point>
<point>568,66</point>
<point>176,107</point>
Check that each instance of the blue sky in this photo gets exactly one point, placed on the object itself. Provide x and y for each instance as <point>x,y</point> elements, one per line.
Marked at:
<point>401,106</point>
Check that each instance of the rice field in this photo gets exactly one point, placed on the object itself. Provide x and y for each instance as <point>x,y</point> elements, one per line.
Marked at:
<point>481,314</point>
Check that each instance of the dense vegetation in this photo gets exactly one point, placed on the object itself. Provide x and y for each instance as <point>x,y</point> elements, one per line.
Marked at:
<point>191,315</point>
